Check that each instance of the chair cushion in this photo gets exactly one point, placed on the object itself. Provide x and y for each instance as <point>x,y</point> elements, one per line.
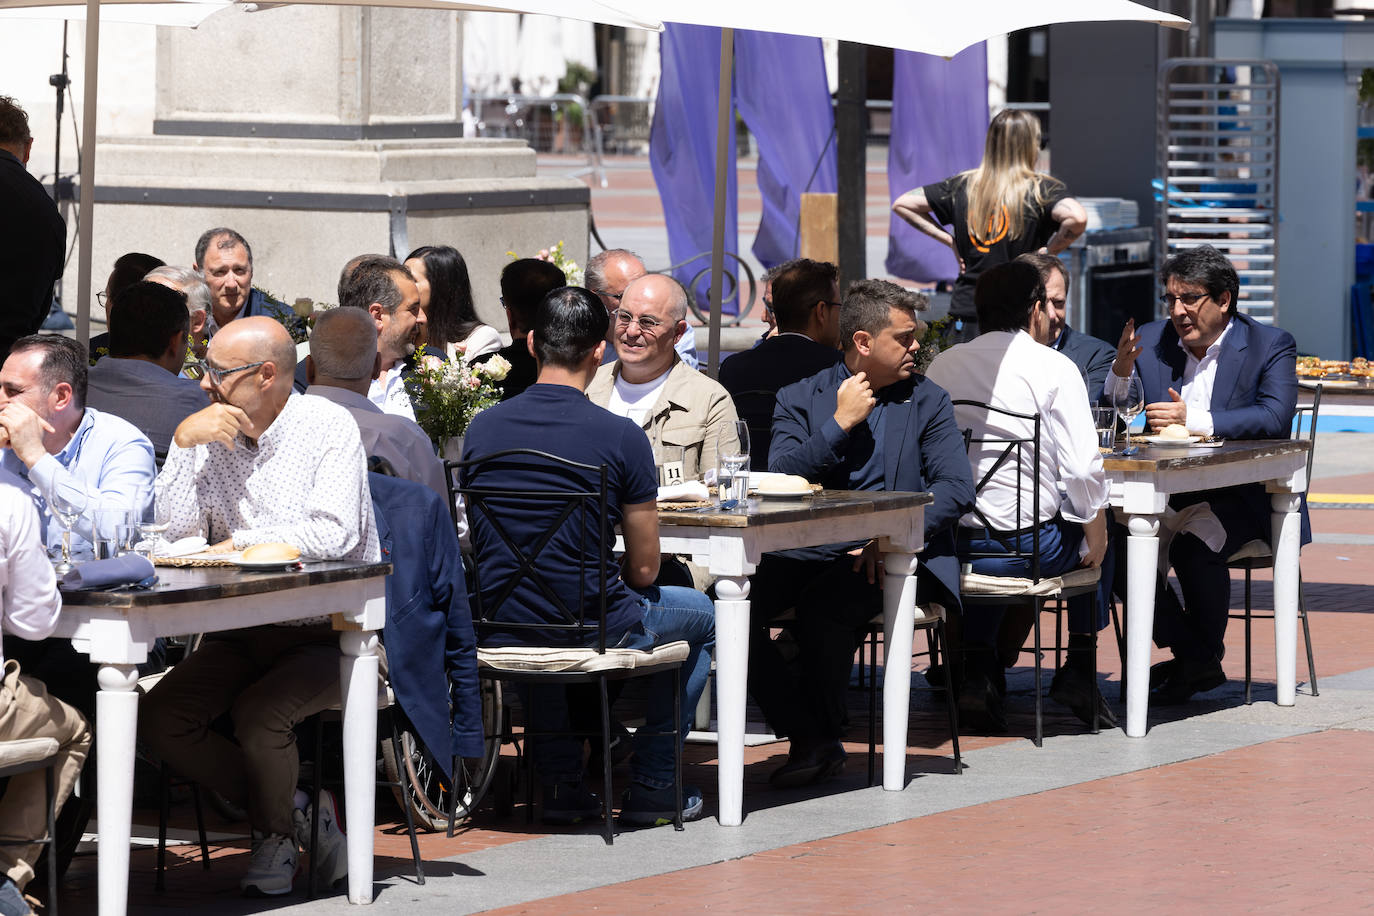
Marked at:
<point>1253,550</point>
<point>545,658</point>
<point>26,750</point>
<point>925,616</point>
<point>979,584</point>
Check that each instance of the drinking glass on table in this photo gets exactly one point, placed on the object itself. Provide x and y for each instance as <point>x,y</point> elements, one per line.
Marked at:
<point>157,518</point>
<point>732,464</point>
<point>106,519</point>
<point>67,504</point>
<point>1129,401</point>
<point>1104,420</point>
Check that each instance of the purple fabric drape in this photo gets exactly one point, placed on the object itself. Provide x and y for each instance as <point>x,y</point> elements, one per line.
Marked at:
<point>939,121</point>
<point>783,97</point>
<point>682,151</point>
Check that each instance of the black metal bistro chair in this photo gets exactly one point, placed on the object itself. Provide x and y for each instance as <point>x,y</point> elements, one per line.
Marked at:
<point>568,504</point>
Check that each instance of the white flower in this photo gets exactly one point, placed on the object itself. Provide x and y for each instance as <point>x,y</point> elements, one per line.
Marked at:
<point>495,368</point>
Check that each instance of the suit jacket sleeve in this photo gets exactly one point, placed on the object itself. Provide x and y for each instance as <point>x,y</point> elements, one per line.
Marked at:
<point>460,643</point>
<point>1276,397</point>
<point>802,444</point>
<point>1099,364</point>
<point>945,466</point>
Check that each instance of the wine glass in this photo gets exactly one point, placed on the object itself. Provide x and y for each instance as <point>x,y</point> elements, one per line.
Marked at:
<point>156,520</point>
<point>1129,401</point>
<point>732,464</point>
<point>68,502</point>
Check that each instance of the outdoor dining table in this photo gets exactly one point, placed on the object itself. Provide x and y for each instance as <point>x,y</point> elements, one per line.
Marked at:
<point>1140,488</point>
<point>117,628</point>
<point>729,545</point>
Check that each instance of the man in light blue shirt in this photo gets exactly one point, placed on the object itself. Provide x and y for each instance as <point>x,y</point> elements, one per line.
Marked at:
<point>138,380</point>
<point>52,440</point>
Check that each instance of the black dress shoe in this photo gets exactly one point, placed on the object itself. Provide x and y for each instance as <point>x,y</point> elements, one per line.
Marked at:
<point>1077,689</point>
<point>1189,676</point>
<point>1160,671</point>
<point>980,706</point>
<point>809,764</point>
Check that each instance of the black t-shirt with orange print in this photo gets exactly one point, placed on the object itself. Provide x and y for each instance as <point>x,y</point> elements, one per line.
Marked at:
<point>948,201</point>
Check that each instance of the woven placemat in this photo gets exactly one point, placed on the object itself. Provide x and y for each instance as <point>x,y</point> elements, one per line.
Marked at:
<point>683,505</point>
<point>189,561</point>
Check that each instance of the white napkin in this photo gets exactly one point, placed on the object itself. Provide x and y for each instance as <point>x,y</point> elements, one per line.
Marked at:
<point>1197,520</point>
<point>182,548</point>
<point>686,491</point>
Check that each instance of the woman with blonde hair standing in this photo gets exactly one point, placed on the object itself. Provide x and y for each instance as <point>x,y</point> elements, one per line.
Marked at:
<point>995,212</point>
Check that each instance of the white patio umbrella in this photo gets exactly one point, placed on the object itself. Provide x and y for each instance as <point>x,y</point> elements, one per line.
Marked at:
<point>586,10</point>
<point>927,26</point>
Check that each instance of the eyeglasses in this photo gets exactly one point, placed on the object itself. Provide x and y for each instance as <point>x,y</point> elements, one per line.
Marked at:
<point>828,302</point>
<point>648,324</point>
<point>1188,299</point>
<point>100,298</point>
<point>217,375</point>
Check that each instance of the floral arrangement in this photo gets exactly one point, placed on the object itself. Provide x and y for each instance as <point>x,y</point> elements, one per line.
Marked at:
<point>557,258</point>
<point>447,395</point>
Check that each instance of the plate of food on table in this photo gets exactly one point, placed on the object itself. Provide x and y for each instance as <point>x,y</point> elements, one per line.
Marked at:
<point>1335,373</point>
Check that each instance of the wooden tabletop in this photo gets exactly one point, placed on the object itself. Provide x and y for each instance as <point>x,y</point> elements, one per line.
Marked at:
<point>774,510</point>
<point>1170,458</point>
<point>178,585</point>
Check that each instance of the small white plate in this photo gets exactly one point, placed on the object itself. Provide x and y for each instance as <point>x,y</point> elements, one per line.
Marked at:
<point>261,564</point>
<point>1169,441</point>
<point>1330,382</point>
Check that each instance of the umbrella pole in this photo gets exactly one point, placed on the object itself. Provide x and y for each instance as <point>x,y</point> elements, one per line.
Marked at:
<point>724,111</point>
<point>87,206</point>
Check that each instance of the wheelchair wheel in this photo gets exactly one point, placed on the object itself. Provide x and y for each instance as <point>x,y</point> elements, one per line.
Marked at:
<point>426,790</point>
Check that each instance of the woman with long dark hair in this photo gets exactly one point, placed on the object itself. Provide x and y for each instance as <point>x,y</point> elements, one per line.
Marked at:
<point>446,299</point>
<point>997,211</point>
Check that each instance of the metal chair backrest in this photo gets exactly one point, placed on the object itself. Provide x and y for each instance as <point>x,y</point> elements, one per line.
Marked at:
<point>1309,414</point>
<point>755,408</point>
<point>985,439</point>
<point>562,505</point>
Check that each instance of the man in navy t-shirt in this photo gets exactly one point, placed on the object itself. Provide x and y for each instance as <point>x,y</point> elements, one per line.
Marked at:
<point>554,416</point>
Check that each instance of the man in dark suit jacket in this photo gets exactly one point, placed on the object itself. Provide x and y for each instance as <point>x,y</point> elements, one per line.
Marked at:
<point>1220,373</point>
<point>806,306</point>
<point>524,284</point>
<point>1093,357</point>
<point>867,423</point>
<point>33,237</point>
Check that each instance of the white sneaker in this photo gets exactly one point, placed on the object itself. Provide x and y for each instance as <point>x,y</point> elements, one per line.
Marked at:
<point>331,858</point>
<point>273,867</point>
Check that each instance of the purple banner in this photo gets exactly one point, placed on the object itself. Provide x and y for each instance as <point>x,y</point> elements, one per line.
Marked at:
<point>682,152</point>
<point>939,121</point>
<point>783,97</point>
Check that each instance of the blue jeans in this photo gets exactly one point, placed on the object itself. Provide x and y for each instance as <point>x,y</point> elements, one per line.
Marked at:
<point>671,613</point>
<point>1059,542</point>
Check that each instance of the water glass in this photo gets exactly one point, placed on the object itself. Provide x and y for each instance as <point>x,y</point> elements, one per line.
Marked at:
<point>1104,420</point>
<point>106,519</point>
<point>732,465</point>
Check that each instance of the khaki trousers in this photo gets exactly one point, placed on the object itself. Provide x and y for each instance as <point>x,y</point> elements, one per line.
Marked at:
<point>27,711</point>
<point>268,679</point>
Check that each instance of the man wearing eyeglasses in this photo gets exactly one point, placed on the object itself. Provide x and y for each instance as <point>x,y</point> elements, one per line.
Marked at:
<point>259,465</point>
<point>1219,373</point>
<point>680,409</point>
<point>608,273</point>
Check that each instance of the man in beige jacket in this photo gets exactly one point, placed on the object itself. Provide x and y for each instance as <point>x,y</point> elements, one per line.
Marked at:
<point>680,409</point>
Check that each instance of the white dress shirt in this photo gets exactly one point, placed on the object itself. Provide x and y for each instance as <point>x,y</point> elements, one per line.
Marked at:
<point>304,482</point>
<point>29,600</point>
<point>389,393</point>
<point>1013,372</point>
<point>1199,378</point>
<point>146,395</point>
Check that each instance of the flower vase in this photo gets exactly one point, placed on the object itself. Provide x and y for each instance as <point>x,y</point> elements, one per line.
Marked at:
<point>452,449</point>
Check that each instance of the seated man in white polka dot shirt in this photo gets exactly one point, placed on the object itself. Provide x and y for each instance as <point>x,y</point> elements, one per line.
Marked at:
<point>261,464</point>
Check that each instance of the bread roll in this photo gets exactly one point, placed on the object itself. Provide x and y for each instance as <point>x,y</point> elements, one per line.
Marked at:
<point>790,483</point>
<point>273,552</point>
<point>1174,431</point>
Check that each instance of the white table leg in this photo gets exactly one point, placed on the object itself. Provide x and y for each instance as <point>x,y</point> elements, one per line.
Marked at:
<point>1287,535</point>
<point>1142,566</point>
<point>116,710</point>
<point>358,682</point>
<point>899,610</point>
<point>732,678</point>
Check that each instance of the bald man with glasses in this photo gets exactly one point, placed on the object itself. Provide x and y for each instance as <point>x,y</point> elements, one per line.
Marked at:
<point>681,410</point>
